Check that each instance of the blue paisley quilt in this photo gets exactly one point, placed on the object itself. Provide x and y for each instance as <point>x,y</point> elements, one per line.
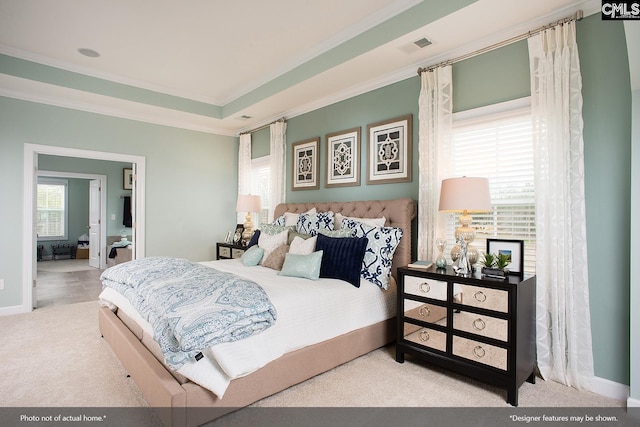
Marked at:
<point>191,306</point>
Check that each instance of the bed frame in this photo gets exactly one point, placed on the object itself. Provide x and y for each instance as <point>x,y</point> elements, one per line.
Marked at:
<point>179,402</point>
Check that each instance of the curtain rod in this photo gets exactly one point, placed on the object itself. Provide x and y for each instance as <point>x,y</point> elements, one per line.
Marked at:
<point>281,119</point>
<point>575,17</point>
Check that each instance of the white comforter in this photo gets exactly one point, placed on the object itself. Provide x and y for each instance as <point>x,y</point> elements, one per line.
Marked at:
<point>308,312</point>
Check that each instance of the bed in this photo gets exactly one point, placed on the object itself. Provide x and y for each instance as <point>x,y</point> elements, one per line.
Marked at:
<point>180,400</point>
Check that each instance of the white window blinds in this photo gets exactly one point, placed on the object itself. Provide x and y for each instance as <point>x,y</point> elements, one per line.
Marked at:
<point>52,209</point>
<point>499,146</point>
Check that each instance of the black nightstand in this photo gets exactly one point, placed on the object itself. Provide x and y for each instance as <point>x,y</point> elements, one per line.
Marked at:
<point>479,327</point>
<point>229,251</point>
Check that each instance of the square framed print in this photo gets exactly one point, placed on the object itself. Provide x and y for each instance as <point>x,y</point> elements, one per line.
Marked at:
<point>127,179</point>
<point>514,249</point>
<point>389,151</point>
<point>343,158</point>
<point>306,160</point>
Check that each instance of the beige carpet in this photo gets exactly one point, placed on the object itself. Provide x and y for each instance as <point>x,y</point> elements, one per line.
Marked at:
<point>55,357</point>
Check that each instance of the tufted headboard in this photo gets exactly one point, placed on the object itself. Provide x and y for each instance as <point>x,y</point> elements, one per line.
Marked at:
<point>398,212</point>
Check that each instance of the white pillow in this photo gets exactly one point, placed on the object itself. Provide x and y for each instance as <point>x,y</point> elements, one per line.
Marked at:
<point>373,222</point>
<point>300,246</point>
<point>292,218</point>
<point>268,242</point>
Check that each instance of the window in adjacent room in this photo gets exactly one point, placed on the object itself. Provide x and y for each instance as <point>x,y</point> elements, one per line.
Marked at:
<point>52,209</point>
<point>261,177</point>
<point>499,145</point>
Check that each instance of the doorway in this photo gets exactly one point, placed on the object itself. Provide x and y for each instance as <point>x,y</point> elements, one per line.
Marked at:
<point>72,274</point>
<point>31,152</point>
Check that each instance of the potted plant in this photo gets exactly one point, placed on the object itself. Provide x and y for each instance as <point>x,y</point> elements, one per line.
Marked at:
<point>494,265</point>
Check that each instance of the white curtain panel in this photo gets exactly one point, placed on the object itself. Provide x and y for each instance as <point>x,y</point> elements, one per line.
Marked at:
<point>563,319</point>
<point>244,170</point>
<point>434,134</point>
<point>278,165</point>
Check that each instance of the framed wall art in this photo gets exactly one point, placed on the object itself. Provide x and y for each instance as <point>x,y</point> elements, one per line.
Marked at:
<point>306,160</point>
<point>389,151</point>
<point>343,158</point>
<point>127,179</point>
<point>514,249</point>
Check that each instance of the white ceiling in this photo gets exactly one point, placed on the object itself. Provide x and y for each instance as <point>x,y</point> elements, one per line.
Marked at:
<point>263,59</point>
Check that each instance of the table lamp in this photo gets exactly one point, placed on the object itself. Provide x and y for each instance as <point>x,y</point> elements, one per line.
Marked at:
<point>248,203</point>
<point>466,195</point>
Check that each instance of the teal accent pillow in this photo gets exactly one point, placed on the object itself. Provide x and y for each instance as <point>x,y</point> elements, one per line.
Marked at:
<point>305,266</point>
<point>252,256</point>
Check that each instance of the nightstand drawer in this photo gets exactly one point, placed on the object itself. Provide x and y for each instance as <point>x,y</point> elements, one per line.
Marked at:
<point>425,337</point>
<point>480,352</point>
<point>425,287</point>
<point>426,312</point>
<point>236,253</point>
<point>225,252</point>
<point>491,299</point>
<point>486,326</point>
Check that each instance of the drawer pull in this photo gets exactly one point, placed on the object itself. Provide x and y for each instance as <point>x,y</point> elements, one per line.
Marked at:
<point>480,296</point>
<point>425,287</point>
<point>424,311</point>
<point>478,351</point>
<point>479,324</point>
<point>424,335</point>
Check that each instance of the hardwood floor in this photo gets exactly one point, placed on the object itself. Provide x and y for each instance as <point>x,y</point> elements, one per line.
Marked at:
<point>67,282</point>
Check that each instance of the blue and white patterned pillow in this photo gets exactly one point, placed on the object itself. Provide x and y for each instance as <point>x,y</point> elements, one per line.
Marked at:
<point>383,241</point>
<point>312,223</point>
<point>279,221</point>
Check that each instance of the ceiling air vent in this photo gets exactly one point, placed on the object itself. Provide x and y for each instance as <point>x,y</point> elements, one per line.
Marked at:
<point>244,117</point>
<point>415,46</point>
<point>423,42</point>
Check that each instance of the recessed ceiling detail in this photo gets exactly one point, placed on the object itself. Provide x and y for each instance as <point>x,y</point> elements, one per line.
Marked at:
<point>201,65</point>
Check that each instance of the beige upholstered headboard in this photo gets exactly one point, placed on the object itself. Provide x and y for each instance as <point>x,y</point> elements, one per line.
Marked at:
<point>398,212</point>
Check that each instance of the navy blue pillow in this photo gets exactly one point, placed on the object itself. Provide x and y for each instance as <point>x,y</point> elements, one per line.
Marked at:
<point>342,257</point>
<point>254,239</point>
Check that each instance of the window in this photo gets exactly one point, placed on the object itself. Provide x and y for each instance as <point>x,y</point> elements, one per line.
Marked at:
<point>260,180</point>
<point>499,146</point>
<point>52,209</point>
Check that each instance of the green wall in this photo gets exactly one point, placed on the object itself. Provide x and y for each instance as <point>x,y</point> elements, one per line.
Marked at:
<point>190,179</point>
<point>503,75</point>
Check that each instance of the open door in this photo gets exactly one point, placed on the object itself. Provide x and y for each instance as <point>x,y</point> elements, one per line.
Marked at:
<point>95,222</point>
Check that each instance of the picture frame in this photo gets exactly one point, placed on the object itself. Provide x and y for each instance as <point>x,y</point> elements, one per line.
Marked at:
<point>515,248</point>
<point>343,158</point>
<point>389,151</point>
<point>237,235</point>
<point>127,179</point>
<point>306,161</point>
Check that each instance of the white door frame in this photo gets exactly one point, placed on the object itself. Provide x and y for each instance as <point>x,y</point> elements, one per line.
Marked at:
<point>31,152</point>
<point>103,203</point>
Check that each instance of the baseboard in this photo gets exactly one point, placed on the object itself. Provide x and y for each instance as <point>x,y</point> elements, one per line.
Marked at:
<point>633,403</point>
<point>611,389</point>
<point>16,309</point>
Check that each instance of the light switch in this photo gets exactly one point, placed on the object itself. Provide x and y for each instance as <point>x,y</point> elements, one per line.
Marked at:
<point>113,217</point>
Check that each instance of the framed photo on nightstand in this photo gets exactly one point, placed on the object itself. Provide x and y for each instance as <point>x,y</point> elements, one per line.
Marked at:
<point>512,248</point>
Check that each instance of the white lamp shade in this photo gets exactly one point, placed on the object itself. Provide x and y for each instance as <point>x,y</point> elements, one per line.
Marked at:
<point>465,193</point>
<point>248,203</point>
